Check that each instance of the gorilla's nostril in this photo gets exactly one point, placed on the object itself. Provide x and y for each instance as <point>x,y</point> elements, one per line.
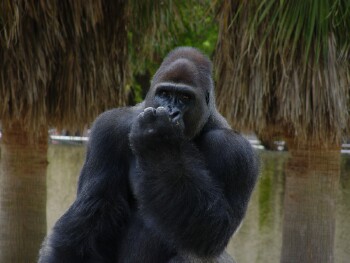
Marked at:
<point>175,115</point>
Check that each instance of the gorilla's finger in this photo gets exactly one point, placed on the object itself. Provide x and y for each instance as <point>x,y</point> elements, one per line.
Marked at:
<point>149,114</point>
<point>163,113</point>
<point>161,109</point>
<point>149,110</point>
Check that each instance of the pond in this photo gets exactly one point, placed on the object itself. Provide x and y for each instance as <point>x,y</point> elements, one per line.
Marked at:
<point>259,238</point>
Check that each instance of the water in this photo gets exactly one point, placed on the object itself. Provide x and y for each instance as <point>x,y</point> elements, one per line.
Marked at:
<point>259,238</point>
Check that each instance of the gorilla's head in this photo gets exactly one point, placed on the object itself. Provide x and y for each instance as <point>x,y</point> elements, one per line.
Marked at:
<point>183,85</point>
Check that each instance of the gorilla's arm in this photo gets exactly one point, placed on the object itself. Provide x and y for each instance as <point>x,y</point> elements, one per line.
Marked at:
<point>194,193</point>
<point>92,227</point>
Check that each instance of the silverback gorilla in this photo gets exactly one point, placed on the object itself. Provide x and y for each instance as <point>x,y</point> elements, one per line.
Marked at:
<point>164,181</point>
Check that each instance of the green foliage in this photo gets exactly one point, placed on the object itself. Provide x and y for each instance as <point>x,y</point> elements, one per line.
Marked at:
<point>162,27</point>
<point>202,32</point>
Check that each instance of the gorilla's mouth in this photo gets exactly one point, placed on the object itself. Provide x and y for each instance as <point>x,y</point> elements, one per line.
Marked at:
<point>175,115</point>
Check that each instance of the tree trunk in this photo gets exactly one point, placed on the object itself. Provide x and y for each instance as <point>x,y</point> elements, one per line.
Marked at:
<point>22,194</point>
<point>312,176</point>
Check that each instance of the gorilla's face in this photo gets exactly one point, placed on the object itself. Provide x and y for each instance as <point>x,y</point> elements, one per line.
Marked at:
<point>184,105</point>
<point>177,100</point>
<point>182,85</point>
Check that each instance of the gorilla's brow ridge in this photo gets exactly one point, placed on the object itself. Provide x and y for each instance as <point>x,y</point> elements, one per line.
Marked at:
<point>175,85</point>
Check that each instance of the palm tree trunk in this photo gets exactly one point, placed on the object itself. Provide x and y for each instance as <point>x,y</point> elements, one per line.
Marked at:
<point>312,177</point>
<point>22,194</point>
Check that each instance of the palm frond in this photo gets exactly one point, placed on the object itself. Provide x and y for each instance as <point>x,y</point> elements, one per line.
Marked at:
<point>61,62</point>
<point>284,65</point>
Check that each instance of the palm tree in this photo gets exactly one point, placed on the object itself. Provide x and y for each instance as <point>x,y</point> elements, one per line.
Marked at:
<point>61,64</point>
<point>283,71</point>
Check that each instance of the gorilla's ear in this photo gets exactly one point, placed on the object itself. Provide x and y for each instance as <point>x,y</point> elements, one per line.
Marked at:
<point>207,97</point>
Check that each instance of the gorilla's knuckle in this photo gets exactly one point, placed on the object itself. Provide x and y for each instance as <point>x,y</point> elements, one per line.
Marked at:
<point>161,111</point>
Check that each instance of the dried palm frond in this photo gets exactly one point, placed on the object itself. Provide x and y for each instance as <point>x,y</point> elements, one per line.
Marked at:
<point>61,62</point>
<point>284,65</point>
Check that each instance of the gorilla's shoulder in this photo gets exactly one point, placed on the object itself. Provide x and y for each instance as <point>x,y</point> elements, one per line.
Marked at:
<point>225,136</point>
<point>113,125</point>
<point>227,148</point>
<point>229,143</point>
<point>117,118</point>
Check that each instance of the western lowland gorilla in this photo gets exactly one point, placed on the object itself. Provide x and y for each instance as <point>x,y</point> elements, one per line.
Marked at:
<point>167,180</point>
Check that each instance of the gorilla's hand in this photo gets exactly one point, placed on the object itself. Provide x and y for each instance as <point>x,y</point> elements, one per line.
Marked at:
<point>153,129</point>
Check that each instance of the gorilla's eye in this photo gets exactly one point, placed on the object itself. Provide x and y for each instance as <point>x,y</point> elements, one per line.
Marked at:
<point>164,93</point>
<point>185,97</point>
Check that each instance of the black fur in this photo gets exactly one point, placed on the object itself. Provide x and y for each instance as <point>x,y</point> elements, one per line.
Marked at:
<point>163,181</point>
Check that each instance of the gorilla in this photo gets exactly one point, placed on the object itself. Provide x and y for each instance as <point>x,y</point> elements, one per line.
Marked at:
<point>166,180</point>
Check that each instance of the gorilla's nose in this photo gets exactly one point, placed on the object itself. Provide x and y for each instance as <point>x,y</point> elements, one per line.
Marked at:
<point>175,115</point>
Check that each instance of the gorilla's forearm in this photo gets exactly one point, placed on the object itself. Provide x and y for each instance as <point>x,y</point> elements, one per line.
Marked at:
<point>180,195</point>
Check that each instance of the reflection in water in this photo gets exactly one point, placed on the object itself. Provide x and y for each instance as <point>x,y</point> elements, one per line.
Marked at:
<point>260,237</point>
<point>312,179</point>
<point>63,171</point>
<point>342,230</point>
<point>22,198</point>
